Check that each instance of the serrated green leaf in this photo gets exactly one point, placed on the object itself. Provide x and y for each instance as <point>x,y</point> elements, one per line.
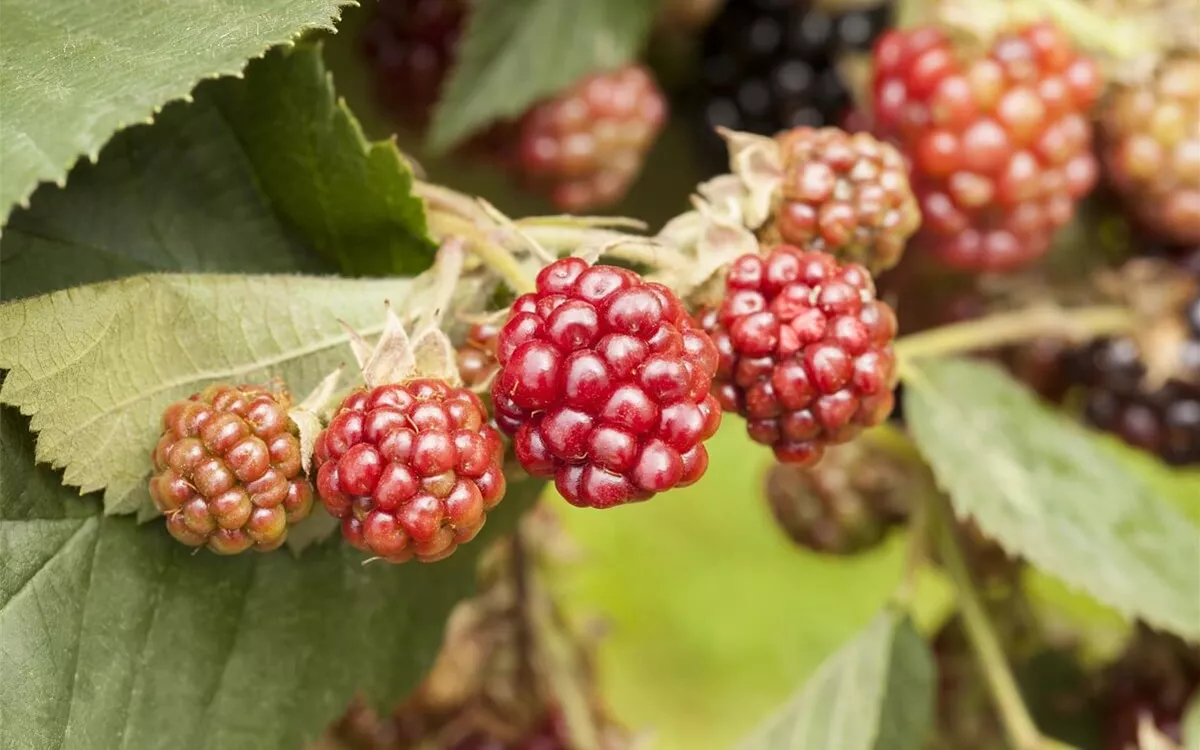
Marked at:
<point>74,72</point>
<point>516,52</point>
<point>352,199</point>
<point>1038,484</point>
<point>115,635</point>
<point>875,693</point>
<point>175,196</point>
<point>94,366</point>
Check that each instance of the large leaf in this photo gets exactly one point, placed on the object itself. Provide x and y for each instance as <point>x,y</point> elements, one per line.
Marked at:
<point>117,636</point>
<point>73,72</point>
<point>876,693</point>
<point>352,199</point>
<point>1040,486</point>
<point>175,196</point>
<point>96,365</point>
<point>515,52</point>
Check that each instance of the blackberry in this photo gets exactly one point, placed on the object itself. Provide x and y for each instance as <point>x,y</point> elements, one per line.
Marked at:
<point>586,145</point>
<point>604,385</point>
<point>771,65</point>
<point>805,351</point>
<point>1156,676</point>
<point>477,356</point>
<point>999,143</point>
<point>411,469</point>
<point>228,470</point>
<point>1151,148</point>
<point>410,47</point>
<point>846,195</point>
<point>842,506</point>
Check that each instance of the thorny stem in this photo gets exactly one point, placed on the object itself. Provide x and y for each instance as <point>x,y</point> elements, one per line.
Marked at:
<point>1022,733</point>
<point>491,253</point>
<point>1014,327</point>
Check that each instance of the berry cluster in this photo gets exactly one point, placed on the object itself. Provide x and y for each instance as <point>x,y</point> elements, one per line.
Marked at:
<point>770,65</point>
<point>846,195</point>
<point>1151,147</point>
<point>587,144</point>
<point>604,385</point>
<point>228,470</point>
<point>411,469</point>
<point>999,143</point>
<point>805,351</point>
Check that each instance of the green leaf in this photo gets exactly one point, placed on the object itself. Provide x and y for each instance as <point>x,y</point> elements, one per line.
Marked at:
<point>875,693</point>
<point>175,196</point>
<point>95,366</point>
<point>1191,725</point>
<point>352,199</point>
<point>74,72</point>
<point>115,635</point>
<point>1040,486</point>
<point>517,52</point>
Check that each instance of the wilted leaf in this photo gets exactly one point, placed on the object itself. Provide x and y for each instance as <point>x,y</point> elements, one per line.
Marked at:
<point>351,198</point>
<point>516,52</point>
<point>115,635</point>
<point>1041,487</point>
<point>95,366</point>
<point>73,72</point>
<point>875,693</point>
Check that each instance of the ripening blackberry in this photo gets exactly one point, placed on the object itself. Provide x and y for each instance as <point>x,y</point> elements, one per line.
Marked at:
<point>1157,677</point>
<point>998,139</point>
<point>770,65</point>
<point>1151,147</point>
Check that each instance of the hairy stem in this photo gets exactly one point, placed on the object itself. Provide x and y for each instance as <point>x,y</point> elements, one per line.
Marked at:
<point>1022,733</point>
<point>1014,327</point>
<point>491,253</point>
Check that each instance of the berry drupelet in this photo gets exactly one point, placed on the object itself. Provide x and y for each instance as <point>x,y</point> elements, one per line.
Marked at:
<point>604,384</point>
<point>1151,148</point>
<point>228,470</point>
<point>999,143</point>
<point>770,65</point>
<point>805,351</point>
<point>847,195</point>
<point>476,358</point>
<point>411,468</point>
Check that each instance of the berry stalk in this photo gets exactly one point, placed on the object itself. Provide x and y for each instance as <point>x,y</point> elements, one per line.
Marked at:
<point>1012,328</point>
<point>1022,733</point>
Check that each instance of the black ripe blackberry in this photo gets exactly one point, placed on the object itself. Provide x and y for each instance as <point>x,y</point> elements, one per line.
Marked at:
<point>770,65</point>
<point>1162,418</point>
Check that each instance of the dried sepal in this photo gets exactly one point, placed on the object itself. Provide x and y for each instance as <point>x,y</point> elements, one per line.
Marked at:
<point>434,357</point>
<point>392,359</point>
<point>758,163</point>
<point>307,415</point>
<point>508,224</point>
<point>358,345</point>
<point>1149,737</point>
<point>318,527</point>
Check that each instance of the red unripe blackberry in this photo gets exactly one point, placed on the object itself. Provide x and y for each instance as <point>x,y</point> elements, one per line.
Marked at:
<point>844,194</point>
<point>805,351</point>
<point>999,144</point>
<point>410,45</point>
<point>411,469</point>
<point>228,470</point>
<point>586,145</point>
<point>1151,149</point>
<point>477,356</point>
<point>604,384</point>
